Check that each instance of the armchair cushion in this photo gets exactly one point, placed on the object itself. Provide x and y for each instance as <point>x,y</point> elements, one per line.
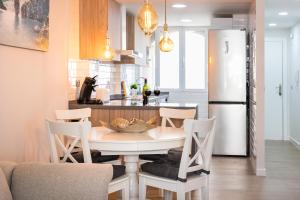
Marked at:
<point>7,168</point>
<point>34,181</point>
<point>5,193</point>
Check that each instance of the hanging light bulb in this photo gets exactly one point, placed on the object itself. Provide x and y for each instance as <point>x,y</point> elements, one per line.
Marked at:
<point>109,52</point>
<point>147,18</point>
<point>166,44</point>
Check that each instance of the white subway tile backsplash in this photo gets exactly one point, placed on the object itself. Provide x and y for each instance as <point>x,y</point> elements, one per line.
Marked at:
<point>108,75</point>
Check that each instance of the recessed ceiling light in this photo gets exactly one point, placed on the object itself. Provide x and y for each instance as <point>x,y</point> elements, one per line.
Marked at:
<point>283,13</point>
<point>272,24</point>
<point>178,5</point>
<point>186,20</point>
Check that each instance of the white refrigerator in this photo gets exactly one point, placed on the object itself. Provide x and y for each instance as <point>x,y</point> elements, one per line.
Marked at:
<point>227,88</point>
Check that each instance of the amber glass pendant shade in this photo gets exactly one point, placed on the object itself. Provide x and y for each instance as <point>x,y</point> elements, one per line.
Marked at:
<point>147,18</point>
<point>109,53</point>
<point>166,44</point>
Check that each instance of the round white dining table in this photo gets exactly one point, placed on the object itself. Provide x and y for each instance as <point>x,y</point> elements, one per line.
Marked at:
<point>155,141</point>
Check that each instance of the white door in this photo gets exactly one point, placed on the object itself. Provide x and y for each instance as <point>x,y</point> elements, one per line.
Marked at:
<point>273,90</point>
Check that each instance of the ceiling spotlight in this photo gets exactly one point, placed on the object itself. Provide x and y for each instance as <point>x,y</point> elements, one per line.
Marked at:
<point>186,20</point>
<point>283,13</point>
<point>179,6</point>
<point>272,24</point>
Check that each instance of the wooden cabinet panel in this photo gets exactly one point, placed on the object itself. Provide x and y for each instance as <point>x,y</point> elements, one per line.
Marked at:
<point>147,114</point>
<point>99,115</point>
<point>126,114</point>
<point>92,28</point>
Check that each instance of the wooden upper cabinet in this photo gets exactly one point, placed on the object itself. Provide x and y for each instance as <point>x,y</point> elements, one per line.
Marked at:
<point>93,27</point>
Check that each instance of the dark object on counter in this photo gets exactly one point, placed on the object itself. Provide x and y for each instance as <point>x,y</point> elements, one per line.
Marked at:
<point>95,101</point>
<point>87,87</point>
<point>146,95</point>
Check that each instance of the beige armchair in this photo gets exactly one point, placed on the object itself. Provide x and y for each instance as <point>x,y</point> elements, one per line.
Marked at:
<point>36,181</point>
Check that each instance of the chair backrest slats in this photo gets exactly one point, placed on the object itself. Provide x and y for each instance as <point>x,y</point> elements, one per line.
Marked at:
<point>77,130</point>
<point>167,114</point>
<point>75,114</point>
<point>203,133</point>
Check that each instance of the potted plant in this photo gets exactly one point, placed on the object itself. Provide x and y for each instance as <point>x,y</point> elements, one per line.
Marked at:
<point>134,90</point>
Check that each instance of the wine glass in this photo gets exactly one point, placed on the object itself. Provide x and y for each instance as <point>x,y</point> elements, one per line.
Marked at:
<point>156,91</point>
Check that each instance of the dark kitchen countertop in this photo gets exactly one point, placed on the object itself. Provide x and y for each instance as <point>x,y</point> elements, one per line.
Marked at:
<point>154,103</point>
<point>129,104</point>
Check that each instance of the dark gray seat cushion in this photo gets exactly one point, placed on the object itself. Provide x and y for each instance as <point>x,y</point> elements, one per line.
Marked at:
<point>153,157</point>
<point>163,168</point>
<point>173,154</point>
<point>118,171</point>
<point>96,157</point>
<point>167,168</point>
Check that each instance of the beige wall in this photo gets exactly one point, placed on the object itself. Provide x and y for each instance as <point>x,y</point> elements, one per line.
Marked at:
<point>32,85</point>
<point>260,87</point>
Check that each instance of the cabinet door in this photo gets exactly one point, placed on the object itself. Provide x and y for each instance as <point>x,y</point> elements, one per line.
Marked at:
<point>122,113</point>
<point>92,28</point>
<point>99,115</point>
<point>148,114</point>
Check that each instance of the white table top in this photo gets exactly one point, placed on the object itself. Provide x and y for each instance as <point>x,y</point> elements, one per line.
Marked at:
<point>157,140</point>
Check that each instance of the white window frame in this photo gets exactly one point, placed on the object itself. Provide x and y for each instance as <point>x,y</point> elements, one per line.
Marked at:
<point>181,59</point>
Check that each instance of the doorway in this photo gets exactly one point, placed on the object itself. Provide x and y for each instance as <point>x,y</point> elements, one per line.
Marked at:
<point>275,89</point>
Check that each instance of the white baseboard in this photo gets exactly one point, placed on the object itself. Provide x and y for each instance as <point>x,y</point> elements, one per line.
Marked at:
<point>258,172</point>
<point>295,142</point>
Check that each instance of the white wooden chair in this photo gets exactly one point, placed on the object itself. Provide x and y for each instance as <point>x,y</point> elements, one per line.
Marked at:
<point>79,131</point>
<point>80,115</point>
<point>167,114</point>
<point>202,132</point>
<point>75,114</point>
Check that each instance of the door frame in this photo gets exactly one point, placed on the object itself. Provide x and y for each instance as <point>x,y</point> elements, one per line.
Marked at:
<point>285,83</point>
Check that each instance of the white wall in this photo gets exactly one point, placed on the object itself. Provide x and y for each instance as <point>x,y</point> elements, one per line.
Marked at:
<point>277,33</point>
<point>33,84</point>
<point>260,87</point>
<point>294,47</point>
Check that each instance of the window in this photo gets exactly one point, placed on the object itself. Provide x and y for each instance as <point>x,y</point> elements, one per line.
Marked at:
<point>169,64</point>
<point>185,67</point>
<point>195,52</point>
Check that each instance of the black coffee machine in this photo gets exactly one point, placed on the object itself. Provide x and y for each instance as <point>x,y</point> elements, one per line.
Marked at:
<point>87,88</point>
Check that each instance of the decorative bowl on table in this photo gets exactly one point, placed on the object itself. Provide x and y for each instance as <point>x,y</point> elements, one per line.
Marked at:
<point>132,126</point>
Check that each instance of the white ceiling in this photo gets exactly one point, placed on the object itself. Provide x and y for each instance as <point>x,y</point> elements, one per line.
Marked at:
<point>199,11</point>
<point>273,7</point>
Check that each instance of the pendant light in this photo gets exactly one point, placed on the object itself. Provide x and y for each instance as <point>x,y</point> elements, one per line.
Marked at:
<point>109,52</point>
<point>147,18</point>
<point>166,44</point>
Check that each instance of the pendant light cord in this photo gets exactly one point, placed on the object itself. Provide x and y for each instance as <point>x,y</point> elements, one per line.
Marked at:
<point>165,11</point>
<point>107,18</point>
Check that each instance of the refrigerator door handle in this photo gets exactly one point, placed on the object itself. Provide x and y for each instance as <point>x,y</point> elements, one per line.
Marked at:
<point>226,47</point>
<point>279,90</point>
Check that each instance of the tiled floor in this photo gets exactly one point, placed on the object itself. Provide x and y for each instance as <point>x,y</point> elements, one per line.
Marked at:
<point>232,178</point>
